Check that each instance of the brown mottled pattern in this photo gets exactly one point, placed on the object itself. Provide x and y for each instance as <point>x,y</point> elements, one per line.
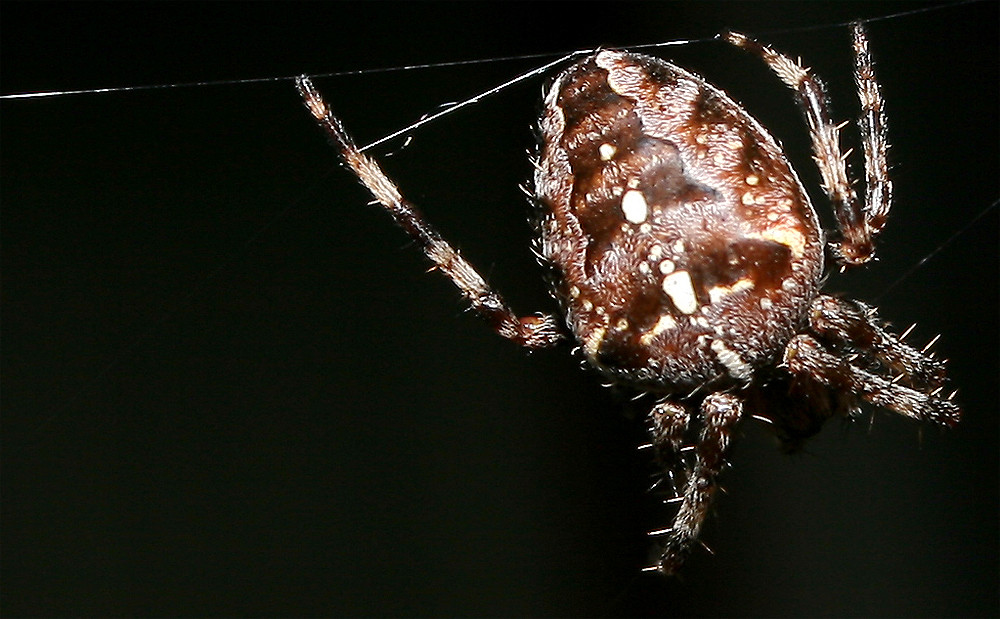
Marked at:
<point>685,146</point>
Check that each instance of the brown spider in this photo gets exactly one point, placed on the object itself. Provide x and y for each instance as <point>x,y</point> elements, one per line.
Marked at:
<point>687,260</point>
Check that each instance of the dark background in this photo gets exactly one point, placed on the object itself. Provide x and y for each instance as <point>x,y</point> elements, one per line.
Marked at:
<point>230,389</point>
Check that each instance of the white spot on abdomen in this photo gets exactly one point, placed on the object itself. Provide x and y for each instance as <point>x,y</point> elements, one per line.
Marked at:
<point>592,342</point>
<point>735,364</point>
<point>680,289</point>
<point>634,206</point>
<point>665,323</point>
<point>717,293</point>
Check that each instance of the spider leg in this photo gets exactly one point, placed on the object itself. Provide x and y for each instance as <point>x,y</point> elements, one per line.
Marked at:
<point>854,325</point>
<point>806,356</point>
<point>720,412</point>
<point>668,423</point>
<point>538,331</point>
<point>859,224</point>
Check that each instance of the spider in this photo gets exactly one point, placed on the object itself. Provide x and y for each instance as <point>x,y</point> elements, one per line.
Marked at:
<point>687,260</point>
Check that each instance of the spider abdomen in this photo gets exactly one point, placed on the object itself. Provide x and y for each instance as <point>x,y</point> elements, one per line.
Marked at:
<point>686,248</point>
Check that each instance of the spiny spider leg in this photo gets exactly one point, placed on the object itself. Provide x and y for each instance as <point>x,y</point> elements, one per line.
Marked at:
<point>537,331</point>
<point>720,412</point>
<point>853,324</point>
<point>859,224</point>
<point>806,357</point>
<point>668,423</point>
<point>878,186</point>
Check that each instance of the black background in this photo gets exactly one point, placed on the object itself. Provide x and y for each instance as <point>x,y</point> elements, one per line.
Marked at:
<point>230,389</point>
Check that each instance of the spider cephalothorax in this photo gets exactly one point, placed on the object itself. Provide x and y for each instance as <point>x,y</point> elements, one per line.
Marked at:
<point>688,260</point>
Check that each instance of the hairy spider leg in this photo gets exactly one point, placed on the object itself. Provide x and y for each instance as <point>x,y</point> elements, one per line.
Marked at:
<point>668,423</point>
<point>538,331</point>
<point>859,224</point>
<point>852,323</point>
<point>720,412</point>
<point>851,326</point>
<point>805,356</point>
